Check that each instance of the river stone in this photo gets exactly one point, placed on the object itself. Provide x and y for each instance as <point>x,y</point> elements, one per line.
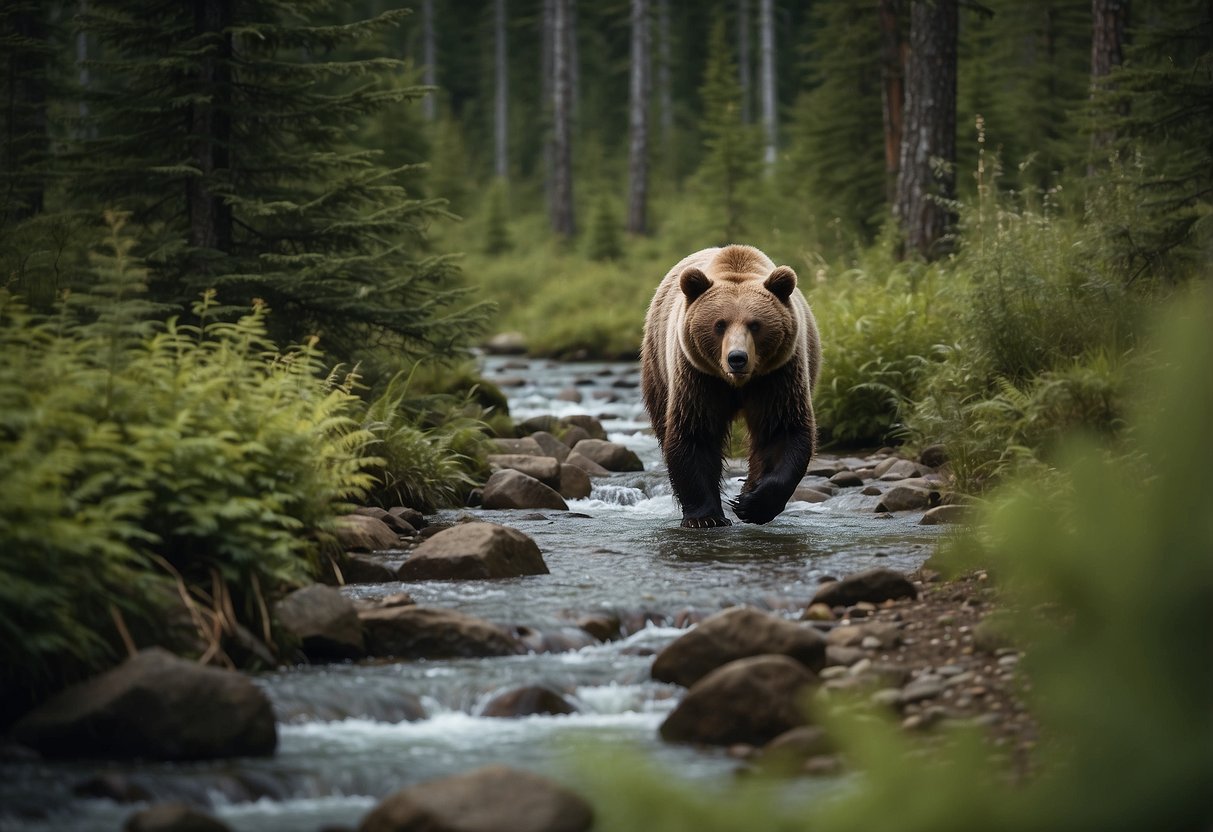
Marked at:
<point>360,569</point>
<point>751,700</point>
<point>905,498</point>
<point>873,585</point>
<point>508,489</point>
<point>490,799</point>
<point>526,701</point>
<point>470,551</point>
<point>586,464</point>
<point>395,522</point>
<point>572,434</point>
<point>610,455</point>
<point>733,634</point>
<point>574,483</point>
<point>933,456</point>
<point>809,494</point>
<point>951,513</point>
<point>359,533</point>
<point>506,343</point>
<point>154,706</point>
<point>789,750</point>
<point>551,446</point>
<point>546,469</point>
<point>587,423</point>
<point>409,515</point>
<point>569,394</point>
<point>173,817</point>
<point>430,633</point>
<point>110,785</point>
<point>525,446</point>
<point>324,621</point>
<point>846,479</point>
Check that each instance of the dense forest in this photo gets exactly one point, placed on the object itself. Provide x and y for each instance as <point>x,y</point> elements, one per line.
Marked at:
<point>248,249</point>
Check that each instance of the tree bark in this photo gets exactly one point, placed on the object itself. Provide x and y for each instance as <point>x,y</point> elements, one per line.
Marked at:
<point>501,113</point>
<point>927,176</point>
<point>562,140</point>
<point>210,218</point>
<point>744,61</point>
<point>638,126</point>
<point>429,60</point>
<point>1108,19</point>
<point>892,74</point>
<point>769,116</point>
<point>665,94</point>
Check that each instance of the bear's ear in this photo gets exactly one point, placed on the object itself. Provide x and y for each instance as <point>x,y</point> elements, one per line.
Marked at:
<point>694,283</point>
<point>781,283</point>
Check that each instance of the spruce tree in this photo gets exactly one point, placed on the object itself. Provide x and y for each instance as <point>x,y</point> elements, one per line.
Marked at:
<point>224,127</point>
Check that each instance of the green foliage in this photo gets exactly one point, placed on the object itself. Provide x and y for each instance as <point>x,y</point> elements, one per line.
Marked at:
<point>136,454</point>
<point>497,223</point>
<point>605,241</point>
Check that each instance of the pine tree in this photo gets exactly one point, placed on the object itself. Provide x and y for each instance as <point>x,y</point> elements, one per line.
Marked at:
<point>731,161</point>
<point>223,126</point>
<point>27,82</point>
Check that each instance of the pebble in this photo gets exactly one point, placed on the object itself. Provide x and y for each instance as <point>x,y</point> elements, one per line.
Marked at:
<point>924,687</point>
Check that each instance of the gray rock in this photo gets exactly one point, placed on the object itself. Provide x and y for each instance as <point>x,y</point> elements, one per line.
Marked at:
<point>883,636</point>
<point>573,434</point>
<point>610,455</point>
<point>789,750</point>
<point>324,621</point>
<point>359,533</point>
<point>525,446</point>
<point>955,513</point>
<point>490,799</point>
<point>361,569</point>
<point>924,687</point>
<point>154,706</point>
<point>587,423</point>
<point>933,456</point>
<point>526,701</point>
<point>872,585</point>
<point>396,522</point>
<point>809,494</point>
<point>574,483</point>
<point>551,446</point>
<point>508,489</point>
<point>732,634</point>
<point>846,479</point>
<point>469,551</point>
<point>173,817</point>
<point>750,700</point>
<point>906,498</point>
<point>586,464</point>
<point>429,633</point>
<point>897,469</point>
<point>546,469</point>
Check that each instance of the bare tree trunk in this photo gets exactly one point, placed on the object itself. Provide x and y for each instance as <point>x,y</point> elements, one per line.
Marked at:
<point>562,143</point>
<point>429,59</point>
<point>927,177</point>
<point>769,118</point>
<point>638,126</point>
<point>744,61</point>
<point>546,75</point>
<point>574,54</point>
<point>501,113</point>
<point>1108,19</point>
<point>664,92</point>
<point>892,69</point>
<point>210,219</point>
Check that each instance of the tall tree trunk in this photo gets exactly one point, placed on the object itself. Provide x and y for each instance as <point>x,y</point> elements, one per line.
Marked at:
<point>501,114</point>
<point>665,95</point>
<point>562,138</point>
<point>769,118</point>
<point>210,219</point>
<point>638,126</point>
<point>574,53</point>
<point>892,91</point>
<point>547,39</point>
<point>744,61</point>
<point>1108,20</point>
<point>26,142</point>
<point>429,60</point>
<point>928,147</point>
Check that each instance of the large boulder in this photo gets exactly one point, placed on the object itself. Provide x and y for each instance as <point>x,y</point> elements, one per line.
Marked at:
<point>610,455</point>
<point>360,533</point>
<point>474,550</point>
<point>749,701</point>
<point>591,468</point>
<point>430,633</point>
<point>734,634</point>
<point>525,701</point>
<point>526,446</point>
<point>907,498</point>
<point>574,483</point>
<point>551,446</point>
<point>393,520</point>
<point>585,422</point>
<point>173,817</point>
<point>324,621</point>
<point>874,586</point>
<point>490,799</point>
<point>508,489</point>
<point>546,469</point>
<point>154,706</point>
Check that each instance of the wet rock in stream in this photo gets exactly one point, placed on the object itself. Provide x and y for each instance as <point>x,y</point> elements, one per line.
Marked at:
<point>324,621</point>
<point>415,632</point>
<point>471,551</point>
<point>610,455</point>
<point>546,469</point>
<point>173,817</point>
<point>527,701</point>
<point>511,489</point>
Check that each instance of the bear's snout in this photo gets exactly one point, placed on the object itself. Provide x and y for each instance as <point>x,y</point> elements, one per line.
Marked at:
<point>738,360</point>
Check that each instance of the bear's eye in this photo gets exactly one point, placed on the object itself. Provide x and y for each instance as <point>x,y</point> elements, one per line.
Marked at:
<point>754,326</point>
<point>721,326</point>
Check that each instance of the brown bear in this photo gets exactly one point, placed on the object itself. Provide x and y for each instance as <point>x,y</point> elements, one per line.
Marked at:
<point>729,332</point>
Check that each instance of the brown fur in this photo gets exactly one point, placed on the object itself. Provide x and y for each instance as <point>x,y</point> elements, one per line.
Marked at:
<point>718,305</point>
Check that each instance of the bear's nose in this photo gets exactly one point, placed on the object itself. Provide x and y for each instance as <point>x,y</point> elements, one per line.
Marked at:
<point>737,360</point>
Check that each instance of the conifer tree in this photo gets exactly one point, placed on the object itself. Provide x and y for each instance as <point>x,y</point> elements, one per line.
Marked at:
<point>223,126</point>
<point>27,83</point>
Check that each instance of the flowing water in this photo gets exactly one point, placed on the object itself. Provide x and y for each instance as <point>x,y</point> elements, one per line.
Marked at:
<point>343,738</point>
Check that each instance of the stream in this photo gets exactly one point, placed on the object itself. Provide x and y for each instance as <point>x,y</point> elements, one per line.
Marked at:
<point>342,742</point>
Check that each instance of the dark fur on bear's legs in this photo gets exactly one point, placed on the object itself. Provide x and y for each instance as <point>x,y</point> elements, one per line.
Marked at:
<point>780,449</point>
<point>694,439</point>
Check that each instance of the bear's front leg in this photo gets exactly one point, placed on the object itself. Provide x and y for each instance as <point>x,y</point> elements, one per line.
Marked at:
<point>695,468</point>
<point>779,415</point>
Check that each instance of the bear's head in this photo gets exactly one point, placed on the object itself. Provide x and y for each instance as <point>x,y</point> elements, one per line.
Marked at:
<point>738,326</point>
